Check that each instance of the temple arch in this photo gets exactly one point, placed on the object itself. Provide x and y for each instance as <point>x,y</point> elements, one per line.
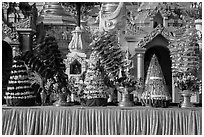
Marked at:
<point>159,47</point>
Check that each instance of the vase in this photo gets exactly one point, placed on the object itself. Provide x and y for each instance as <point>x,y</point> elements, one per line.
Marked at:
<point>126,100</point>
<point>62,100</point>
<point>186,103</point>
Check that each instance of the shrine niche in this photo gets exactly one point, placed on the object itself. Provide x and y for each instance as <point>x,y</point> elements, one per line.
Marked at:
<point>75,67</point>
<point>163,55</point>
<point>157,43</point>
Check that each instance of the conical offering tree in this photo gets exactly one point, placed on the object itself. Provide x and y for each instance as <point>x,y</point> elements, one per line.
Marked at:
<point>111,57</point>
<point>155,91</point>
<point>95,90</point>
<point>19,91</point>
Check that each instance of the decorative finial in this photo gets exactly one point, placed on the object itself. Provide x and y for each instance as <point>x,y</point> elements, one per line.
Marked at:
<point>77,42</point>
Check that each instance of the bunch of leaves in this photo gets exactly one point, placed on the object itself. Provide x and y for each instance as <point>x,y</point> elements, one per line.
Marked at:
<point>110,55</point>
<point>129,81</point>
<point>50,55</point>
<point>187,81</point>
<point>46,60</point>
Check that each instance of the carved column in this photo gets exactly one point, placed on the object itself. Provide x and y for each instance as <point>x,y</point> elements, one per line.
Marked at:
<point>165,21</point>
<point>198,25</point>
<point>25,39</point>
<point>140,68</point>
<point>5,6</point>
<point>140,62</point>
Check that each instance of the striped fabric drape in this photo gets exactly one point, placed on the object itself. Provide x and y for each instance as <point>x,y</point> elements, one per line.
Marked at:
<point>50,120</point>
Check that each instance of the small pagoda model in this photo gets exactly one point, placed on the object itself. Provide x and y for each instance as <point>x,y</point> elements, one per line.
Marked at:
<point>19,86</point>
<point>155,92</point>
<point>76,59</point>
<point>95,90</point>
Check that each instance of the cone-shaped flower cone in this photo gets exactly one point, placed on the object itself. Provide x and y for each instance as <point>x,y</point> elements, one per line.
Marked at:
<point>155,85</point>
<point>19,92</point>
<point>95,88</point>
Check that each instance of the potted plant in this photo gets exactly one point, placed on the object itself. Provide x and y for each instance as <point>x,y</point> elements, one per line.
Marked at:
<point>127,85</point>
<point>188,84</point>
<point>186,61</point>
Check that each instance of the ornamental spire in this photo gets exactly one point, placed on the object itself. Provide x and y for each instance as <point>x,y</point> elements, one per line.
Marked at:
<point>77,43</point>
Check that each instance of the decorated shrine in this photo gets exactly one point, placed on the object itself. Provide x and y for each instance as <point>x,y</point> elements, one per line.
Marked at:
<point>135,63</point>
<point>76,60</point>
<point>147,28</point>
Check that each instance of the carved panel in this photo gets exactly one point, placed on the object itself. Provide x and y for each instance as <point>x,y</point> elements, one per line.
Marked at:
<point>158,30</point>
<point>5,5</point>
<point>9,32</point>
<point>133,29</point>
<point>24,23</point>
<point>166,9</point>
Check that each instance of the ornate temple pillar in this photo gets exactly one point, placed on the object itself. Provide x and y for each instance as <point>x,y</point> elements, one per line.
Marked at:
<point>140,69</point>
<point>26,39</point>
<point>26,33</point>
<point>198,25</point>
<point>151,22</point>
<point>165,21</point>
<point>140,62</point>
<point>5,6</point>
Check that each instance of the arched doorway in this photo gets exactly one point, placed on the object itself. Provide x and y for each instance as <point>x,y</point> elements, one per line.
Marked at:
<point>7,60</point>
<point>163,55</point>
